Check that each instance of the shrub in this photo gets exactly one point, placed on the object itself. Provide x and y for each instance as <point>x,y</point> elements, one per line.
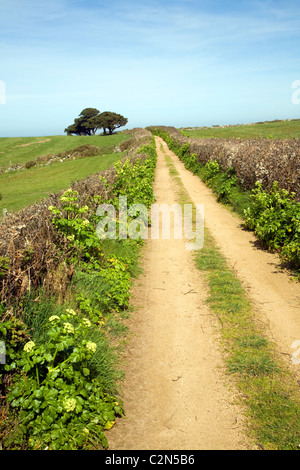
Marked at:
<point>61,403</point>
<point>275,217</point>
<point>30,164</point>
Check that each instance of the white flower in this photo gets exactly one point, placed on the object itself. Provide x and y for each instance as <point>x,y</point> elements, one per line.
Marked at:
<point>91,346</point>
<point>86,321</point>
<point>29,346</point>
<point>85,222</point>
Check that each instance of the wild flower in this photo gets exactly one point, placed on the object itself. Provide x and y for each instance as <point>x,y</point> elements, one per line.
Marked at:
<point>91,346</point>
<point>29,346</point>
<point>53,318</point>
<point>70,404</point>
<point>68,328</point>
<point>70,311</point>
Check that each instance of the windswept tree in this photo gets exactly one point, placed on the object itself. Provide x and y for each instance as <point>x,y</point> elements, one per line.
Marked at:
<point>111,121</point>
<point>84,125</point>
<point>90,120</point>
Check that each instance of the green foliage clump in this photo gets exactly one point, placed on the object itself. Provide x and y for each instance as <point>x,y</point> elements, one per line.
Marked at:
<point>62,403</point>
<point>275,218</point>
<point>77,229</point>
<point>30,164</point>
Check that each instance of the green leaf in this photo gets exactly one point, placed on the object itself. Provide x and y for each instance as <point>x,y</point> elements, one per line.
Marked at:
<point>48,419</point>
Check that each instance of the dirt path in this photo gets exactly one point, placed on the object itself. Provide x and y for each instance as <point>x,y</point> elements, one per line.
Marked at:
<point>32,143</point>
<point>275,296</point>
<point>175,393</point>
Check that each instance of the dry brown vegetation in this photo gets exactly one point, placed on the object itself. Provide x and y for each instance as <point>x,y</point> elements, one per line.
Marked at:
<point>263,160</point>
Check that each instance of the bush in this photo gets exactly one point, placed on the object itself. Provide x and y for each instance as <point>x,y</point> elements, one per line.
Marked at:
<point>264,160</point>
<point>62,403</point>
<point>30,164</point>
<point>275,218</point>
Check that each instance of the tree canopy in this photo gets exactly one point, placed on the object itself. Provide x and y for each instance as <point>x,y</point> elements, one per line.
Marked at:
<point>90,120</point>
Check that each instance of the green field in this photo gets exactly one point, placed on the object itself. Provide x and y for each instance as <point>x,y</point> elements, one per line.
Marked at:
<point>266,130</point>
<point>19,150</point>
<point>24,187</point>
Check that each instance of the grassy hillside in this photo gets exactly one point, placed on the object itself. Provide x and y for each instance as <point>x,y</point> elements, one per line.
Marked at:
<point>273,129</point>
<point>23,187</point>
<point>19,150</point>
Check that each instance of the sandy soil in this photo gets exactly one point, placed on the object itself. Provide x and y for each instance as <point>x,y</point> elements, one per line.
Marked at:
<point>175,392</point>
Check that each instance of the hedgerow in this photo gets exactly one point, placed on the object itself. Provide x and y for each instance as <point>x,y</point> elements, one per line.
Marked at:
<point>253,160</point>
<point>63,291</point>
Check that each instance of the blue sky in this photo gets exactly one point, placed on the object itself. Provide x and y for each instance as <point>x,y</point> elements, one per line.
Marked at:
<point>177,63</point>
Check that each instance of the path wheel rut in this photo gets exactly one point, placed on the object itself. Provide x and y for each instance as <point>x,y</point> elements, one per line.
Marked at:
<point>176,394</point>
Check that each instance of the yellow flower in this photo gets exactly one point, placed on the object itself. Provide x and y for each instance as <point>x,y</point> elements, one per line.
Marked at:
<point>91,346</point>
<point>29,346</point>
<point>71,312</point>
<point>53,318</point>
<point>68,328</point>
<point>70,404</point>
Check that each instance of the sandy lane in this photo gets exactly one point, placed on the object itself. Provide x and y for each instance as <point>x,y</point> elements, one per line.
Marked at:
<point>175,393</point>
<point>274,295</point>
